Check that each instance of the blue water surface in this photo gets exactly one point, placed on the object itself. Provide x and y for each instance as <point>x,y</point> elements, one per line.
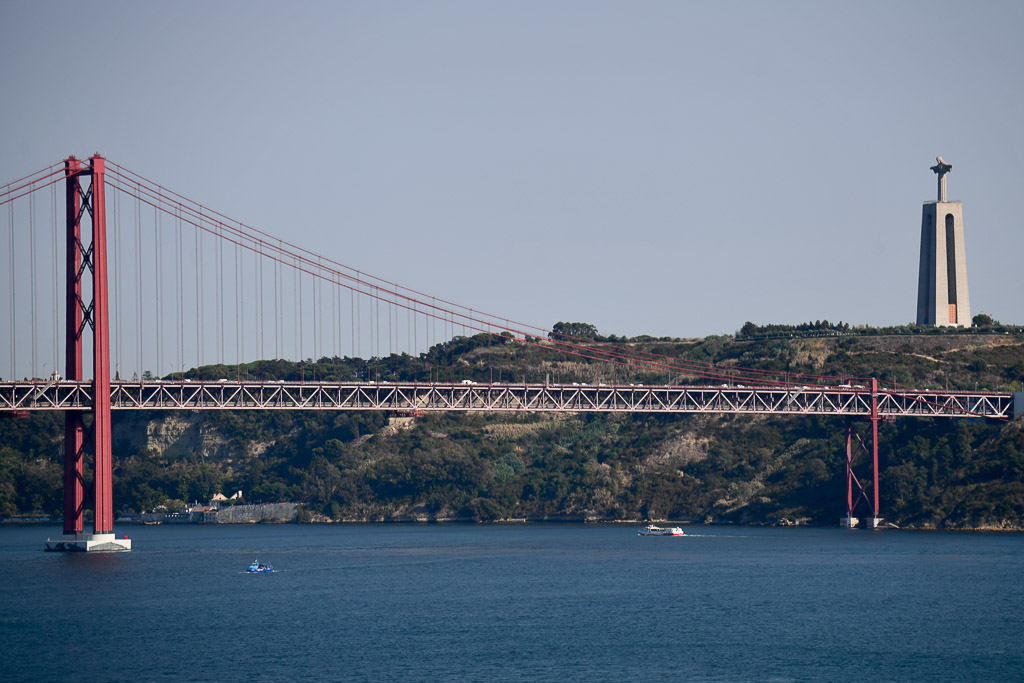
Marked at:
<point>514,602</point>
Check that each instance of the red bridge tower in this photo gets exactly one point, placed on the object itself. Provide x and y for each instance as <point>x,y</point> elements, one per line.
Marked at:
<point>79,438</point>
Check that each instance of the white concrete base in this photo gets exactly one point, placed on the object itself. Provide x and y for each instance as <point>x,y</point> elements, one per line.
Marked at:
<point>873,522</point>
<point>848,522</point>
<point>90,543</point>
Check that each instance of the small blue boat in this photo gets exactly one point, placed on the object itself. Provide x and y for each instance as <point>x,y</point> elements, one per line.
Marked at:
<point>256,567</point>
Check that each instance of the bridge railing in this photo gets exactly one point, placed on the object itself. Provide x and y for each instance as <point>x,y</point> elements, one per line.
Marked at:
<point>284,395</point>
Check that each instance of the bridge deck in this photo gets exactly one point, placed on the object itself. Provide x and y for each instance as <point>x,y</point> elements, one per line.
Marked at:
<point>250,395</point>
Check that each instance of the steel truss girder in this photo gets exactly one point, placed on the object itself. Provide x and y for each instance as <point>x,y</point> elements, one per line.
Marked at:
<point>252,395</point>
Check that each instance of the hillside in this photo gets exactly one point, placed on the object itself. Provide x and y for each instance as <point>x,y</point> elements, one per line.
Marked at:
<point>373,466</point>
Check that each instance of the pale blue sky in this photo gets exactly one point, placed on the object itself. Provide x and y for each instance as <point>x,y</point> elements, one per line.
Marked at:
<point>669,168</point>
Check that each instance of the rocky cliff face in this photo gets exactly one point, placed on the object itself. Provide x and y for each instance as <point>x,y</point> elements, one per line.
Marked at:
<point>183,435</point>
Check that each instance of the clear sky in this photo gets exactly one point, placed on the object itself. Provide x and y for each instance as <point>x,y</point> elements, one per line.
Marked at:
<point>669,168</point>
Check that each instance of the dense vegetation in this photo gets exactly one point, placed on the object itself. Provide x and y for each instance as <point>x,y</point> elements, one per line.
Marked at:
<point>355,466</point>
<point>956,361</point>
<point>982,324</point>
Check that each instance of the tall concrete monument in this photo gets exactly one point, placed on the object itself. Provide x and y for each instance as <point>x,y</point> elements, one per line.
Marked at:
<point>942,280</point>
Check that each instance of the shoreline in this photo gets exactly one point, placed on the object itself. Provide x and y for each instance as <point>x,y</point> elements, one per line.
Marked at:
<point>39,522</point>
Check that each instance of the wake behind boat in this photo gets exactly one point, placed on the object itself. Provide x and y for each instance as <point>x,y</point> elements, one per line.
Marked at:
<point>257,568</point>
<point>652,530</point>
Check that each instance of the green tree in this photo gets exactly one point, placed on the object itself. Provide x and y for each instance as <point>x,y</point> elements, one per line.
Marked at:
<point>561,330</point>
<point>749,329</point>
<point>983,320</point>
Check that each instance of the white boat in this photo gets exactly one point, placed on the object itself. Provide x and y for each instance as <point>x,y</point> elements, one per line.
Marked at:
<point>652,530</point>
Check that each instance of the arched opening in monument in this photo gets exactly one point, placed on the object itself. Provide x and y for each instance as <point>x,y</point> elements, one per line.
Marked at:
<point>951,267</point>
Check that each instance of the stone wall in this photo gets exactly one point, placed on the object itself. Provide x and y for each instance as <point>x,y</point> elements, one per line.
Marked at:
<point>248,514</point>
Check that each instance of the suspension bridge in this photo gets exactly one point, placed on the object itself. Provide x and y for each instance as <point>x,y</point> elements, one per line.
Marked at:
<point>157,285</point>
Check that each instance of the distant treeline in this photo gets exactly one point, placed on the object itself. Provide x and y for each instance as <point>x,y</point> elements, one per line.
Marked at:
<point>818,327</point>
<point>983,324</point>
<point>564,331</point>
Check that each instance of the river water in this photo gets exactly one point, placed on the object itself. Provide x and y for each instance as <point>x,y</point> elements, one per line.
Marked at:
<point>514,602</point>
